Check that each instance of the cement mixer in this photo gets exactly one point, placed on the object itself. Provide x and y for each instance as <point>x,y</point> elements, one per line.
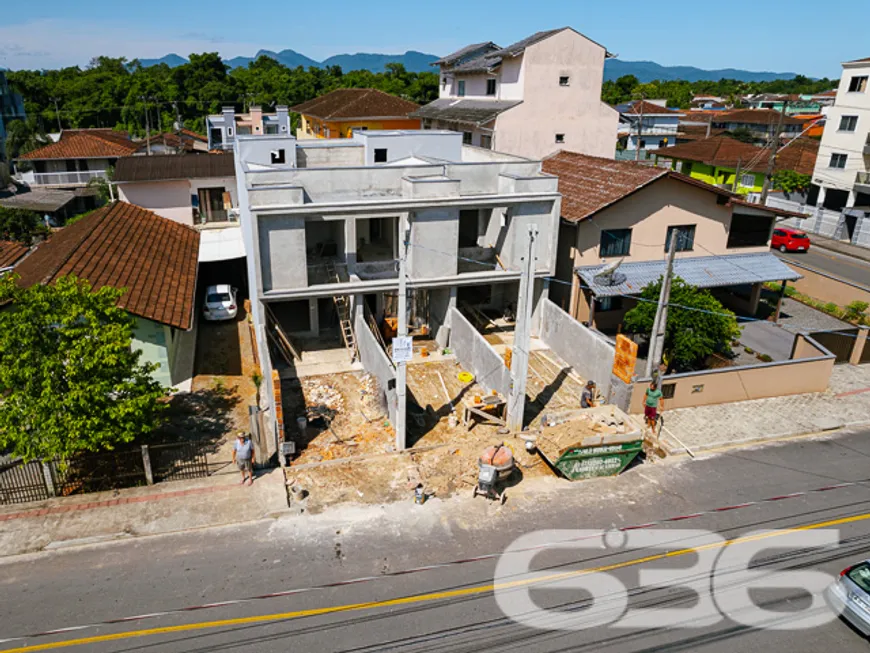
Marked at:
<point>495,465</point>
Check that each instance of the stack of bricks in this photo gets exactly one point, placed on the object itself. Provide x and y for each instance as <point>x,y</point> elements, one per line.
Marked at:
<point>279,408</point>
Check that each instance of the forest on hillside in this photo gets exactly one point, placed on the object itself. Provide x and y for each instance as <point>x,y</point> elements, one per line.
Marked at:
<point>115,93</point>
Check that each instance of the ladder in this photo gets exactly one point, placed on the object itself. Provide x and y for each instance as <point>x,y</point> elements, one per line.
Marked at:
<point>342,309</point>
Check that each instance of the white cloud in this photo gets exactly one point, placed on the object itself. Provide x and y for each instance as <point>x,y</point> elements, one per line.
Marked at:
<point>59,43</point>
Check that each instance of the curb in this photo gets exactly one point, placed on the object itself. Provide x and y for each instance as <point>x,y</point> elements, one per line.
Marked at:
<point>861,256</point>
<point>784,437</point>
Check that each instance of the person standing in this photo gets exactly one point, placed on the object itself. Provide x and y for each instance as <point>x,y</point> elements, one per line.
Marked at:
<point>654,402</point>
<point>587,396</point>
<point>243,456</point>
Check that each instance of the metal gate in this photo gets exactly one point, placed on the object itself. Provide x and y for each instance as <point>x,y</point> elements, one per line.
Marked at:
<point>178,461</point>
<point>21,482</point>
<point>839,343</point>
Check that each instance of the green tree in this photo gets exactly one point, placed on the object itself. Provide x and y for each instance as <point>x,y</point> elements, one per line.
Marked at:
<point>20,225</point>
<point>698,324</point>
<point>790,181</point>
<point>70,380</point>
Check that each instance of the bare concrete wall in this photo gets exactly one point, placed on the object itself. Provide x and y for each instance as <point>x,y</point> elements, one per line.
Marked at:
<point>477,356</point>
<point>434,238</point>
<point>282,252</point>
<point>797,376</point>
<point>376,362</point>
<point>589,353</point>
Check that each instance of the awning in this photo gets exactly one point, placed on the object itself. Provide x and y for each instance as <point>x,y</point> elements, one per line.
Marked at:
<point>220,244</point>
<point>700,271</point>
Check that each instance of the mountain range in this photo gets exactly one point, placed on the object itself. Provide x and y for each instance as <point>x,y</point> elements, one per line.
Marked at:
<point>645,71</point>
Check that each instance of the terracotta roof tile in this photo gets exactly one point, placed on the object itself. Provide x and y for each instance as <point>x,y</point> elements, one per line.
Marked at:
<point>590,183</point>
<point>125,246</point>
<point>182,166</point>
<point>85,144</point>
<point>11,252</point>
<point>650,109</point>
<point>356,103</point>
<point>727,152</point>
<point>752,117</point>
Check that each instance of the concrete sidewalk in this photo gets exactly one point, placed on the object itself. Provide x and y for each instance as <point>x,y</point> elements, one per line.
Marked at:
<point>846,403</point>
<point>151,510</point>
<point>855,251</point>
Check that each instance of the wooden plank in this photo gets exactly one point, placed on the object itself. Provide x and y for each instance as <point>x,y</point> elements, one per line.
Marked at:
<point>283,336</point>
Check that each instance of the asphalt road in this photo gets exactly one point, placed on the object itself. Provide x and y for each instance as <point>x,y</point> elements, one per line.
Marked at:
<point>843,266</point>
<point>452,608</point>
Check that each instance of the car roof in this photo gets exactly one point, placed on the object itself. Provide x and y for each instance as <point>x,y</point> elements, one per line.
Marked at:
<point>221,287</point>
<point>790,230</point>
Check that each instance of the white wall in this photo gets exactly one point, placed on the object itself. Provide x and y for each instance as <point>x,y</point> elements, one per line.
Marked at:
<point>401,145</point>
<point>172,199</point>
<point>576,110</point>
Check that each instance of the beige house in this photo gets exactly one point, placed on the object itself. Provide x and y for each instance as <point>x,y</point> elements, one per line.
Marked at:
<point>620,211</point>
<point>530,99</point>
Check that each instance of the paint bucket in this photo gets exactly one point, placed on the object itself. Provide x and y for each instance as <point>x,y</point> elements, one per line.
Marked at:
<point>302,424</point>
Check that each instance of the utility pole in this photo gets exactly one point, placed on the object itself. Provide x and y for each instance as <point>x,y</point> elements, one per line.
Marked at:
<point>57,114</point>
<point>657,338</point>
<point>709,126</point>
<point>402,332</point>
<point>736,175</point>
<point>147,127</point>
<point>639,132</point>
<point>522,338</point>
<point>771,162</point>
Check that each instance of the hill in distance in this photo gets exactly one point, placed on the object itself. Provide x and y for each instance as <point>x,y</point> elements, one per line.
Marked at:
<point>418,62</point>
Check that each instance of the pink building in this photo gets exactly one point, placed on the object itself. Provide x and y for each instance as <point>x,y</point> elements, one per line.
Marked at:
<point>532,98</point>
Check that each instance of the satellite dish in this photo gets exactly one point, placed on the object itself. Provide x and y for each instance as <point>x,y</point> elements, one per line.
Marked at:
<point>607,276</point>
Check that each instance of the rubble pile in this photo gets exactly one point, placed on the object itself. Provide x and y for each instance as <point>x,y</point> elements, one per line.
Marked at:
<point>319,393</point>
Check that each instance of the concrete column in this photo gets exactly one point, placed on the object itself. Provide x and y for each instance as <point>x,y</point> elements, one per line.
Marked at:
<point>754,298</point>
<point>49,480</point>
<point>146,462</point>
<point>858,347</point>
<point>313,317</point>
<point>850,201</point>
<point>350,244</point>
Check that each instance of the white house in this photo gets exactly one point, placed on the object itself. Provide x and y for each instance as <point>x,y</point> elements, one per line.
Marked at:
<point>530,99</point>
<point>648,125</point>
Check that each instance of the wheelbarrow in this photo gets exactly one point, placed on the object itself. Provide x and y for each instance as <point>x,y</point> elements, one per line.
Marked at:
<point>494,466</point>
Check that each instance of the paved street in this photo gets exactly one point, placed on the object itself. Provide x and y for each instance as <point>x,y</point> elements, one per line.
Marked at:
<point>451,608</point>
<point>843,266</point>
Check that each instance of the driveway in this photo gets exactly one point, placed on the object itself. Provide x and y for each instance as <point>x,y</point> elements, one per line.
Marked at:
<point>768,338</point>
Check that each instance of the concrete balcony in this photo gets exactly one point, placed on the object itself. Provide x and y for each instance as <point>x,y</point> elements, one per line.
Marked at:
<point>862,182</point>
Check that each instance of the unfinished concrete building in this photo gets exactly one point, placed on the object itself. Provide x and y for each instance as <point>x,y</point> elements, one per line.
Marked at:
<point>324,224</point>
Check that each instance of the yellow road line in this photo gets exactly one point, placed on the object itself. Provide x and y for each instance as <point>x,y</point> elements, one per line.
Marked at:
<point>422,598</point>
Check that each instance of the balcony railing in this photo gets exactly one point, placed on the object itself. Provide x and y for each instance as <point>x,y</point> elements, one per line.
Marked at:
<point>75,178</point>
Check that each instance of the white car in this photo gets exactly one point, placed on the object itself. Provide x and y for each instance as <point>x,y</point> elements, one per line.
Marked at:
<point>220,303</point>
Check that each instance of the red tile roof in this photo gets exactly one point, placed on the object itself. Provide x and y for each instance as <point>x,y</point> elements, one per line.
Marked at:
<point>356,103</point>
<point>752,117</point>
<point>85,144</point>
<point>726,152</point>
<point>10,252</point>
<point>650,109</point>
<point>125,246</point>
<point>589,183</point>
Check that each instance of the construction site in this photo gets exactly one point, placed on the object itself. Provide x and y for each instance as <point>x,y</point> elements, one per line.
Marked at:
<point>338,391</point>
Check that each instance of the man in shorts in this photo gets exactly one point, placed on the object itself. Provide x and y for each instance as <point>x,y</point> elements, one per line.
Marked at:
<point>652,404</point>
<point>243,456</point>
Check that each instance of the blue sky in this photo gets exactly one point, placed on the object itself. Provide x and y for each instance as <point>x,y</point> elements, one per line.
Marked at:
<point>806,37</point>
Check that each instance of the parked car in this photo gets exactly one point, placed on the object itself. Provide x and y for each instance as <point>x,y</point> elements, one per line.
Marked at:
<point>790,240</point>
<point>849,596</point>
<point>220,303</point>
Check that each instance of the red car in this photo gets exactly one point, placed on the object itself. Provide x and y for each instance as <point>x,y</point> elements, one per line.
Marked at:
<point>790,240</point>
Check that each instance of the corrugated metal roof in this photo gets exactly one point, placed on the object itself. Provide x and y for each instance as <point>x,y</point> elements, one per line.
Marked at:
<point>39,199</point>
<point>701,271</point>
<point>475,112</point>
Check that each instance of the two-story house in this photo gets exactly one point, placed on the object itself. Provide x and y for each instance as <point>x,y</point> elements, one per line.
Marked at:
<point>326,222</point>
<point>761,124</point>
<point>339,113</point>
<point>648,125</point>
<point>197,190</point>
<point>621,211</point>
<point>222,128</point>
<point>78,156</point>
<point>529,99</point>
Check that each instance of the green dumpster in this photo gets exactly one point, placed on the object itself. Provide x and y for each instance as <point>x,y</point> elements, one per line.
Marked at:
<point>588,443</point>
<point>603,460</point>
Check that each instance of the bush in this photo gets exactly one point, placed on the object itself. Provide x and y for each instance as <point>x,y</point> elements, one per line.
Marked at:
<point>831,308</point>
<point>749,350</point>
<point>856,311</point>
<point>764,358</point>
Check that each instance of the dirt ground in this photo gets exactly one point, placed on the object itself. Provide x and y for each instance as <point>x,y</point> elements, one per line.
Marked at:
<point>354,460</point>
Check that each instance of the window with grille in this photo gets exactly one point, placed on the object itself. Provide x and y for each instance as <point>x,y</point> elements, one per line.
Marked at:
<point>747,181</point>
<point>685,237</point>
<point>838,161</point>
<point>848,123</point>
<point>615,242</point>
